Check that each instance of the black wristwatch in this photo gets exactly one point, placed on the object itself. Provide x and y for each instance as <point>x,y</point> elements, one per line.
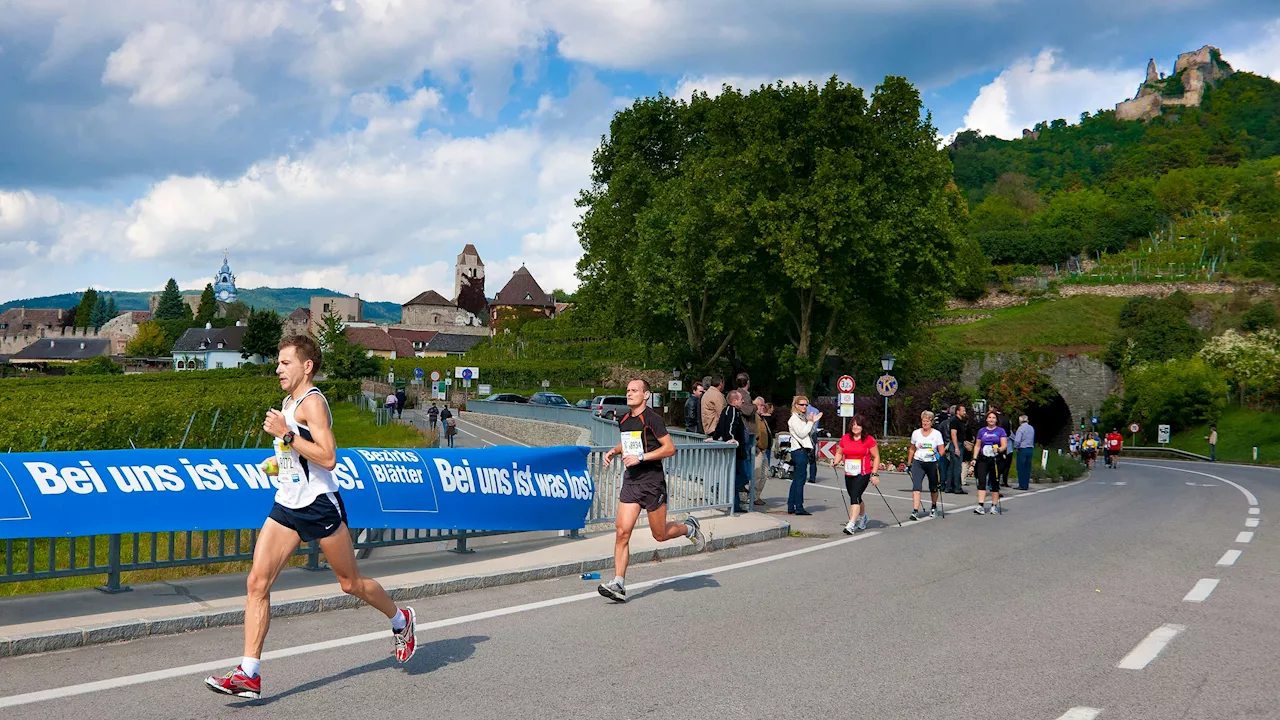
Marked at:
<point>287,438</point>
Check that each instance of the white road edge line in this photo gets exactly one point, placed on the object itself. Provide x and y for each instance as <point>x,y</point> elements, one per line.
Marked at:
<point>385,635</point>
<point>1247,495</point>
<point>1229,558</point>
<point>1251,522</point>
<point>1081,713</point>
<point>1201,591</point>
<point>1150,647</point>
<point>1244,536</point>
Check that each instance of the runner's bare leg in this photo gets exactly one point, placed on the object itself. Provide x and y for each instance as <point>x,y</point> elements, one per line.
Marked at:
<point>276,544</point>
<point>669,531</point>
<point>628,514</point>
<point>342,558</point>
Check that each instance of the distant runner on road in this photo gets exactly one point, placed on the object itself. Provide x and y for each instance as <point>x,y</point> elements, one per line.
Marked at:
<point>858,455</point>
<point>307,507</point>
<point>992,440</point>
<point>645,443</point>
<point>1111,451</point>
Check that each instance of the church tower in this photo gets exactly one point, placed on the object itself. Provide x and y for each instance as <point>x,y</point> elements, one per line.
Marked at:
<point>224,283</point>
<point>469,265</point>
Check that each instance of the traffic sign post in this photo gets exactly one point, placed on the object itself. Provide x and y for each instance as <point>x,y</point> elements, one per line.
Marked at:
<point>1134,428</point>
<point>1164,435</point>
<point>887,386</point>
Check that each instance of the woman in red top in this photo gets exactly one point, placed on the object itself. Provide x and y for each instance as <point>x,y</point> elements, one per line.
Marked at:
<point>858,454</point>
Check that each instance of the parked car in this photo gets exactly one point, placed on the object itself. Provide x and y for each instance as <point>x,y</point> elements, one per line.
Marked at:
<point>584,404</point>
<point>609,406</point>
<point>507,397</point>
<point>548,398</point>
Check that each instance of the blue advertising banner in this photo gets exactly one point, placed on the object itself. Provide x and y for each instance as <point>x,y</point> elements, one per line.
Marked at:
<point>121,491</point>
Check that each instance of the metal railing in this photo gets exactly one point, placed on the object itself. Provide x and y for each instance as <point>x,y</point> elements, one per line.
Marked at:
<point>604,431</point>
<point>1159,450</point>
<point>699,477</point>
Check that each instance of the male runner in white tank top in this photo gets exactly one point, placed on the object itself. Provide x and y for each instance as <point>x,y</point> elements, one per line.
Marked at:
<point>307,508</point>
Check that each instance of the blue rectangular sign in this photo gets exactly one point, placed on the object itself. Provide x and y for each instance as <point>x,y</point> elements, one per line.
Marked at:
<point>120,491</point>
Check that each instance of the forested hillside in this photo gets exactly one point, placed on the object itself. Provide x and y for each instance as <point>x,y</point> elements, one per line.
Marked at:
<point>1204,177</point>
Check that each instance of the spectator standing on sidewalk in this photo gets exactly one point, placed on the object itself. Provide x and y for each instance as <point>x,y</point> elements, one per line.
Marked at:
<point>713,403</point>
<point>1024,444</point>
<point>693,410</point>
<point>742,383</point>
<point>1005,460</point>
<point>764,446</point>
<point>801,428</point>
<point>958,446</point>
<point>731,428</point>
<point>446,424</point>
<point>433,415</point>
<point>402,399</point>
<point>1212,437</point>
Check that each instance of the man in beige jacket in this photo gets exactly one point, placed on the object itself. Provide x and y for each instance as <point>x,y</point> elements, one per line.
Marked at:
<point>713,403</point>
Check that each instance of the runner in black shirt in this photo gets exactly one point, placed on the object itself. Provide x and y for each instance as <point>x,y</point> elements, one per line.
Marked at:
<point>645,442</point>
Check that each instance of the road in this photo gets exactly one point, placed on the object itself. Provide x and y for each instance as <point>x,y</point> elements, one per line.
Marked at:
<point>1076,603</point>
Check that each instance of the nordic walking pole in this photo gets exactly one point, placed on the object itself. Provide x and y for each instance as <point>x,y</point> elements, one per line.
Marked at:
<point>847,509</point>
<point>886,504</point>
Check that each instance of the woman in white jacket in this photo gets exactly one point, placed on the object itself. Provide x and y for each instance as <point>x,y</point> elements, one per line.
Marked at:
<point>801,428</point>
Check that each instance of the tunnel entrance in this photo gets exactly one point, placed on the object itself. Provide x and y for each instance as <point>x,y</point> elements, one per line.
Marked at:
<point>1052,422</point>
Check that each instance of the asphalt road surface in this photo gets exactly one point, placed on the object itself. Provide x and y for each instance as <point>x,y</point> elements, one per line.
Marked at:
<point>1110,598</point>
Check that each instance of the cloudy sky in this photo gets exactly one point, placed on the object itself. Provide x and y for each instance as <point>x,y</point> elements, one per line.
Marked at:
<point>359,144</point>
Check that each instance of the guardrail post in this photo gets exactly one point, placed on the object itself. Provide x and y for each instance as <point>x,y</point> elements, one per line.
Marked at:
<point>113,585</point>
<point>461,547</point>
<point>313,558</point>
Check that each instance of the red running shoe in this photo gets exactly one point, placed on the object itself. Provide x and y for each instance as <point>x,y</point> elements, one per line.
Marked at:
<point>406,645</point>
<point>236,683</point>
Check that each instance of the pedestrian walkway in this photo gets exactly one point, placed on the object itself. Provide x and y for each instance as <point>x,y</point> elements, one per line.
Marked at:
<point>52,621</point>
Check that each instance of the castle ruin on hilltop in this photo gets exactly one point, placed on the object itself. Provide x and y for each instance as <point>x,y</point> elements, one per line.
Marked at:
<point>1185,87</point>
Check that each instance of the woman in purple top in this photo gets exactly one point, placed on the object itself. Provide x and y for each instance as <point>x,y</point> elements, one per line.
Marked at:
<point>992,441</point>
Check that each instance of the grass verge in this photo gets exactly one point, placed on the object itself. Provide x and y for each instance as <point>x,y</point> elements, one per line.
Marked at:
<point>1239,430</point>
<point>1084,323</point>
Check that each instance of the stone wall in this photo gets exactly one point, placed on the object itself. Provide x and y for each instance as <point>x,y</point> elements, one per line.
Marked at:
<point>1003,300</point>
<point>1082,382</point>
<point>531,432</point>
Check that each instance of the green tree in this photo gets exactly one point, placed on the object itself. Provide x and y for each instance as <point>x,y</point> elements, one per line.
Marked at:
<point>149,342</point>
<point>170,305</point>
<point>1259,317</point>
<point>1153,331</point>
<point>99,317</point>
<point>330,330</point>
<point>237,311</point>
<point>100,365</point>
<point>84,313</point>
<point>112,310</point>
<point>208,306</point>
<point>1179,393</point>
<point>1017,389</point>
<point>262,335</point>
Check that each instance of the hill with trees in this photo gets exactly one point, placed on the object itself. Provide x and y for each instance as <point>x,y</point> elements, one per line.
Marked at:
<point>281,300</point>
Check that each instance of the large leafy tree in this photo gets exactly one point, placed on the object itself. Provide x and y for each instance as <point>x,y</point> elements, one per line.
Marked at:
<point>262,334</point>
<point>149,342</point>
<point>170,305</point>
<point>472,299</point>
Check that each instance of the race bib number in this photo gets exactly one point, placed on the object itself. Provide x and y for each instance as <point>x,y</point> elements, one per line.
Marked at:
<point>633,442</point>
<point>853,467</point>
<point>928,452</point>
<point>288,472</point>
<point>989,450</point>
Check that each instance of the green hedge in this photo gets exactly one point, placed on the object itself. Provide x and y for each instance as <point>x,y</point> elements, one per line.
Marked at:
<point>507,373</point>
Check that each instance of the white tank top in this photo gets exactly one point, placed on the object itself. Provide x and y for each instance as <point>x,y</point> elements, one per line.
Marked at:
<point>300,481</point>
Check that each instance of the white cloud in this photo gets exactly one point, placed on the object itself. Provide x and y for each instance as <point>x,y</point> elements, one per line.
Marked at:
<point>1033,90</point>
<point>714,85</point>
<point>168,65</point>
<point>1261,57</point>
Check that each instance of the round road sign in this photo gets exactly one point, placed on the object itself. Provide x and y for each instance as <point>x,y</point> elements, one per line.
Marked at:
<point>466,373</point>
<point>1134,428</point>
<point>417,372</point>
<point>887,385</point>
<point>435,376</point>
<point>845,384</point>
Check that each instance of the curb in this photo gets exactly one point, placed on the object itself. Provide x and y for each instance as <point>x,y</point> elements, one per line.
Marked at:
<point>134,629</point>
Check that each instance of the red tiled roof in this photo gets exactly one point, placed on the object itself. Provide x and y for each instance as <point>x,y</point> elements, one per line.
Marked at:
<point>300,315</point>
<point>404,348</point>
<point>522,289</point>
<point>139,316</point>
<point>370,338</point>
<point>15,318</point>
<point>430,297</point>
<point>422,336</point>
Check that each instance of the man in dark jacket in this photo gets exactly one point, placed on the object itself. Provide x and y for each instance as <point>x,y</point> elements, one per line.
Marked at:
<point>693,410</point>
<point>730,427</point>
<point>401,398</point>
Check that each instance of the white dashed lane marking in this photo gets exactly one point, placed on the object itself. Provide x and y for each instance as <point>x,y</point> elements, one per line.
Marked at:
<point>1251,522</point>
<point>1229,558</point>
<point>1244,536</point>
<point>1201,591</point>
<point>1150,647</point>
<point>1081,713</point>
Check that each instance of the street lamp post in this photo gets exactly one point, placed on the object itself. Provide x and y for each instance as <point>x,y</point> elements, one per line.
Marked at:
<point>886,364</point>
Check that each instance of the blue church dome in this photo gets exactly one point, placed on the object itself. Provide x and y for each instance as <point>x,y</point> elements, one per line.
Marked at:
<point>224,283</point>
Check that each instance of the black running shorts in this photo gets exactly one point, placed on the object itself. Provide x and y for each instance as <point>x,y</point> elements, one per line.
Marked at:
<point>649,494</point>
<point>921,469</point>
<point>985,475</point>
<point>856,485</point>
<point>316,521</point>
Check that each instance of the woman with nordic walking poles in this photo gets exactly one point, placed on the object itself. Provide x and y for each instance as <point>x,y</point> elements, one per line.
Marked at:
<point>859,456</point>
<point>992,440</point>
<point>926,449</point>
<point>802,452</point>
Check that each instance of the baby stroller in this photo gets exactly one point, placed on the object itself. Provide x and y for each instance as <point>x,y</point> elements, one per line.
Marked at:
<point>781,467</point>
